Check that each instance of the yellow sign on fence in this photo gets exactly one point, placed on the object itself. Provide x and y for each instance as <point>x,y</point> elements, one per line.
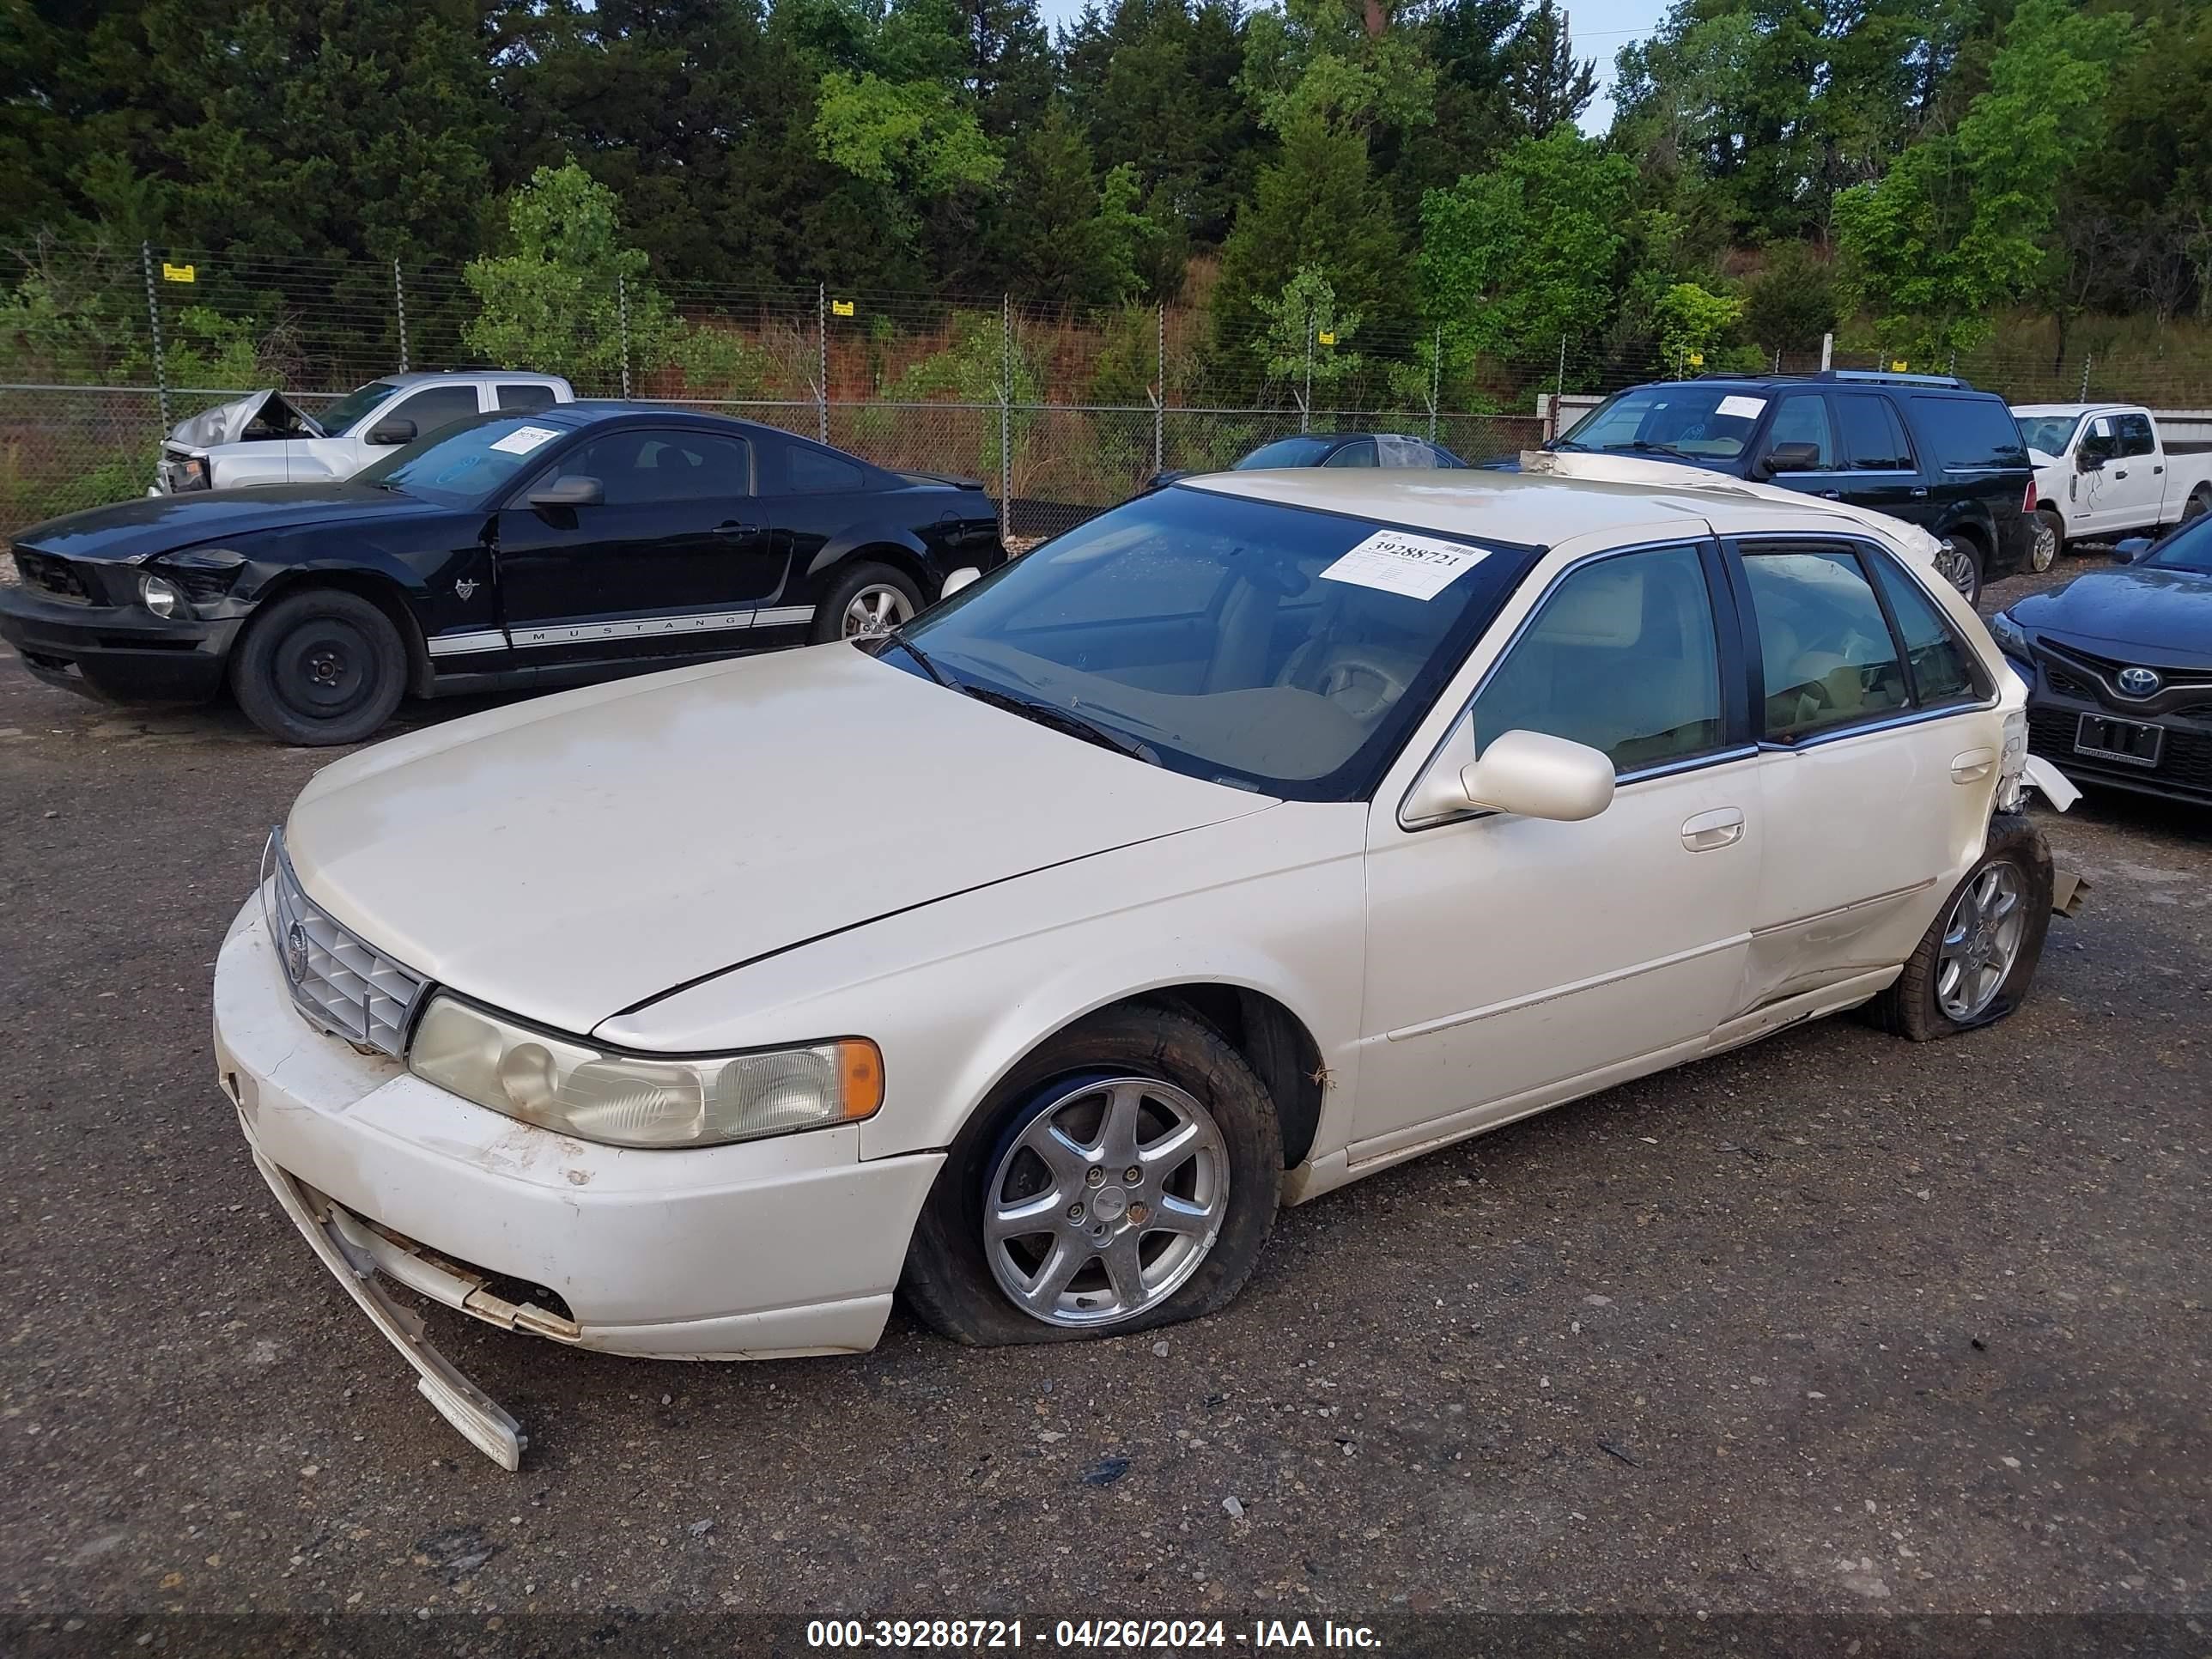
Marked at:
<point>1696,360</point>
<point>1897,365</point>
<point>1326,337</point>
<point>841,308</point>
<point>177,273</point>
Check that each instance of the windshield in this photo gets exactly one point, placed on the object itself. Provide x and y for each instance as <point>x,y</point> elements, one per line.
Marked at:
<point>1267,646</point>
<point>2049,432</point>
<point>1704,422</point>
<point>2188,547</point>
<point>1287,452</point>
<point>463,465</point>
<point>350,408</point>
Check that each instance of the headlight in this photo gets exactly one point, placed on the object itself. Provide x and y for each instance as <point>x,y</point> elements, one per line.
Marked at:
<point>163,597</point>
<point>630,1100</point>
<point>2011,637</point>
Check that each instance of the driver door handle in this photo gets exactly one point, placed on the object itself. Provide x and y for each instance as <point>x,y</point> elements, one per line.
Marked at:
<point>1920,492</point>
<point>1973,765</point>
<point>732,527</point>
<point>1708,831</point>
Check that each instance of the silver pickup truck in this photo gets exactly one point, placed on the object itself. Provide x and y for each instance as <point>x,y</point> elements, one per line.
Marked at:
<point>263,438</point>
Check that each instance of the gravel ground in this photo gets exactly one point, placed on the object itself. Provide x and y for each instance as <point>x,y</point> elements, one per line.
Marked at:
<point>1832,1323</point>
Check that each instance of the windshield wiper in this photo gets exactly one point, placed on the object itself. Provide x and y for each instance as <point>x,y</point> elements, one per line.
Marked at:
<point>1063,719</point>
<point>927,666</point>
<point>1645,447</point>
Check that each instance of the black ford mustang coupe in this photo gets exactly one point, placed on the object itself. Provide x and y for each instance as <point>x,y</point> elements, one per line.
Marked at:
<point>568,544</point>
<point>2118,665</point>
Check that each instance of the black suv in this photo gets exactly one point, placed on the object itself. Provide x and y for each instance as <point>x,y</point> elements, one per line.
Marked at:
<point>1926,448</point>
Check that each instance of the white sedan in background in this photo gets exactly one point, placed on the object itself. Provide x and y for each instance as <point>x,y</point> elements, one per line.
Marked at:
<point>1259,835</point>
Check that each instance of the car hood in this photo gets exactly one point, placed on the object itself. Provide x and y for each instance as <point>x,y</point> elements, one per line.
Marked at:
<point>148,525</point>
<point>2143,609</point>
<point>569,859</point>
<point>226,423</point>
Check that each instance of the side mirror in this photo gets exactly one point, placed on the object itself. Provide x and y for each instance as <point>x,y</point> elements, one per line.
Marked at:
<point>2088,460</point>
<point>391,432</point>
<point>1792,457</point>
<point>1536,776</point>
<point>2130,550</point>
<point>570,490</point>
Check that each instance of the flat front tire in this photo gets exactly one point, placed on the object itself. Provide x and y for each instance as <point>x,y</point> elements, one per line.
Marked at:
<point>1978,959</point>
<point>320,666</point>
<point>1123,1177</point>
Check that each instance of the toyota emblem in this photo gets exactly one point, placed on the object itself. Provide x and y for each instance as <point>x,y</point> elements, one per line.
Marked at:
<point>296,952</point>
<point>2140,682</point>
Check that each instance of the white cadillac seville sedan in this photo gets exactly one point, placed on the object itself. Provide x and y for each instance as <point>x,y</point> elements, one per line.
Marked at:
<point>1262,833</point>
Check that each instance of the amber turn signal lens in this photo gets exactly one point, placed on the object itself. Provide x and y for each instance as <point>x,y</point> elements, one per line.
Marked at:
<point>860,1074</point>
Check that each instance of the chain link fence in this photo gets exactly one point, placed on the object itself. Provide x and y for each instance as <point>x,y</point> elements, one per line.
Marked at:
<point>1057,410</point>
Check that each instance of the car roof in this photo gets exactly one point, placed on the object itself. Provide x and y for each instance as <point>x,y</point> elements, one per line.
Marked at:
<point>1586,496</point>
<point>593,411</point>
<point>512,376</point>
<point>2075,409</point>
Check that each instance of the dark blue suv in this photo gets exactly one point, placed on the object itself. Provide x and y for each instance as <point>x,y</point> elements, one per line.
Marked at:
<point>1926,448</point>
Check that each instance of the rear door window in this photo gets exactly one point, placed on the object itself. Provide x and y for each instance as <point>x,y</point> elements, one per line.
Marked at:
<point>1828,656</point>
<point>525,398</point>
<point>1967,432</point>
<point>2136,438</point>
<point>1359,454</point>
<point>1873,439</point>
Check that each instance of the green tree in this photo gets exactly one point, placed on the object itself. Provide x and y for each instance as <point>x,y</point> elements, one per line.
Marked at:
<point>1792,301</point>
<point>1692,323</point>
<point>1305,340</point>
<point>1515,259</point>
<point>1961,223</point>
<point>568,292</point>
<point>1315,208</point>
<point>1545,82</point>
<point>1066,238</point>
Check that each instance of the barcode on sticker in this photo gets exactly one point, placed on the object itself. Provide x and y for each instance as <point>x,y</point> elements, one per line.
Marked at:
<point>1394,562</point>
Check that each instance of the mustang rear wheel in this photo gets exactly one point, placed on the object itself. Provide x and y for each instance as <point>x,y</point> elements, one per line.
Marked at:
<point>1975,964</point>
<point>320,666</point>
<point>869,601</point>
<point>1125,1177</point>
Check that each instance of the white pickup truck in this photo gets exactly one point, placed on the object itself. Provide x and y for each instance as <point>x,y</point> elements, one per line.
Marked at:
<point>263,437</point>
<point>2104,470</point>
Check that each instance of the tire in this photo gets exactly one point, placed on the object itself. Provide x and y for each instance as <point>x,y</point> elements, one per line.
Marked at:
<point>320,666</point>
<point>1959,563</point>
<point>889,595</point>
<point>2050,543</point>
<point>951,1280</point>
<point>1922,1004</point>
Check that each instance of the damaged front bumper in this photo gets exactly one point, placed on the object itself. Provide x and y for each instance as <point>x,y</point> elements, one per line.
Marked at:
<point>343,1245</point>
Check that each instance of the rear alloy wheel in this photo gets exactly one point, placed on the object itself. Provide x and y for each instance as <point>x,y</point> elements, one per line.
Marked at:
<point>1975,964</point>
<point>869,601</point>
<point>2043,552</point>
<point>1123,1176</point>
<point>320,666</point>
<point>1959,562</point>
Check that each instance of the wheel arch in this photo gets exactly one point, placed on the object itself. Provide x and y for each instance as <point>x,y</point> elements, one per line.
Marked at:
<point>1274,1041</point>
<point>382,592</point>
<point>903,554</point>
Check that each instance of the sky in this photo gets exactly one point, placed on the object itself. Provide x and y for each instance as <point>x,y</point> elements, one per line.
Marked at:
<point>1602,27</point>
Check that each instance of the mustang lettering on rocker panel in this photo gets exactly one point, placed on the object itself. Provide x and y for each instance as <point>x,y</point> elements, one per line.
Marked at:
<point>492,639</point>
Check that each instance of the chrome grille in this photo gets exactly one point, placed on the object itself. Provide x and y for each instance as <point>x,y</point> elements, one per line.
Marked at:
<point>341,982</point>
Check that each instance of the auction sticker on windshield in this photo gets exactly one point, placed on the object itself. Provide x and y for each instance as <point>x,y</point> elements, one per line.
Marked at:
<point>524,438</point>
<point>1396,562</point>
<point>1747,407</point>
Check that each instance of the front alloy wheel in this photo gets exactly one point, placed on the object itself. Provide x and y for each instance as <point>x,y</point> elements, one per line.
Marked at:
<point>1981,942</point>
<point>1106,1202</point>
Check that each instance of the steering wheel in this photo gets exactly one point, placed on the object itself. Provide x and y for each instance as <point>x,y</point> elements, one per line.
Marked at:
<point>1361,687</point>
